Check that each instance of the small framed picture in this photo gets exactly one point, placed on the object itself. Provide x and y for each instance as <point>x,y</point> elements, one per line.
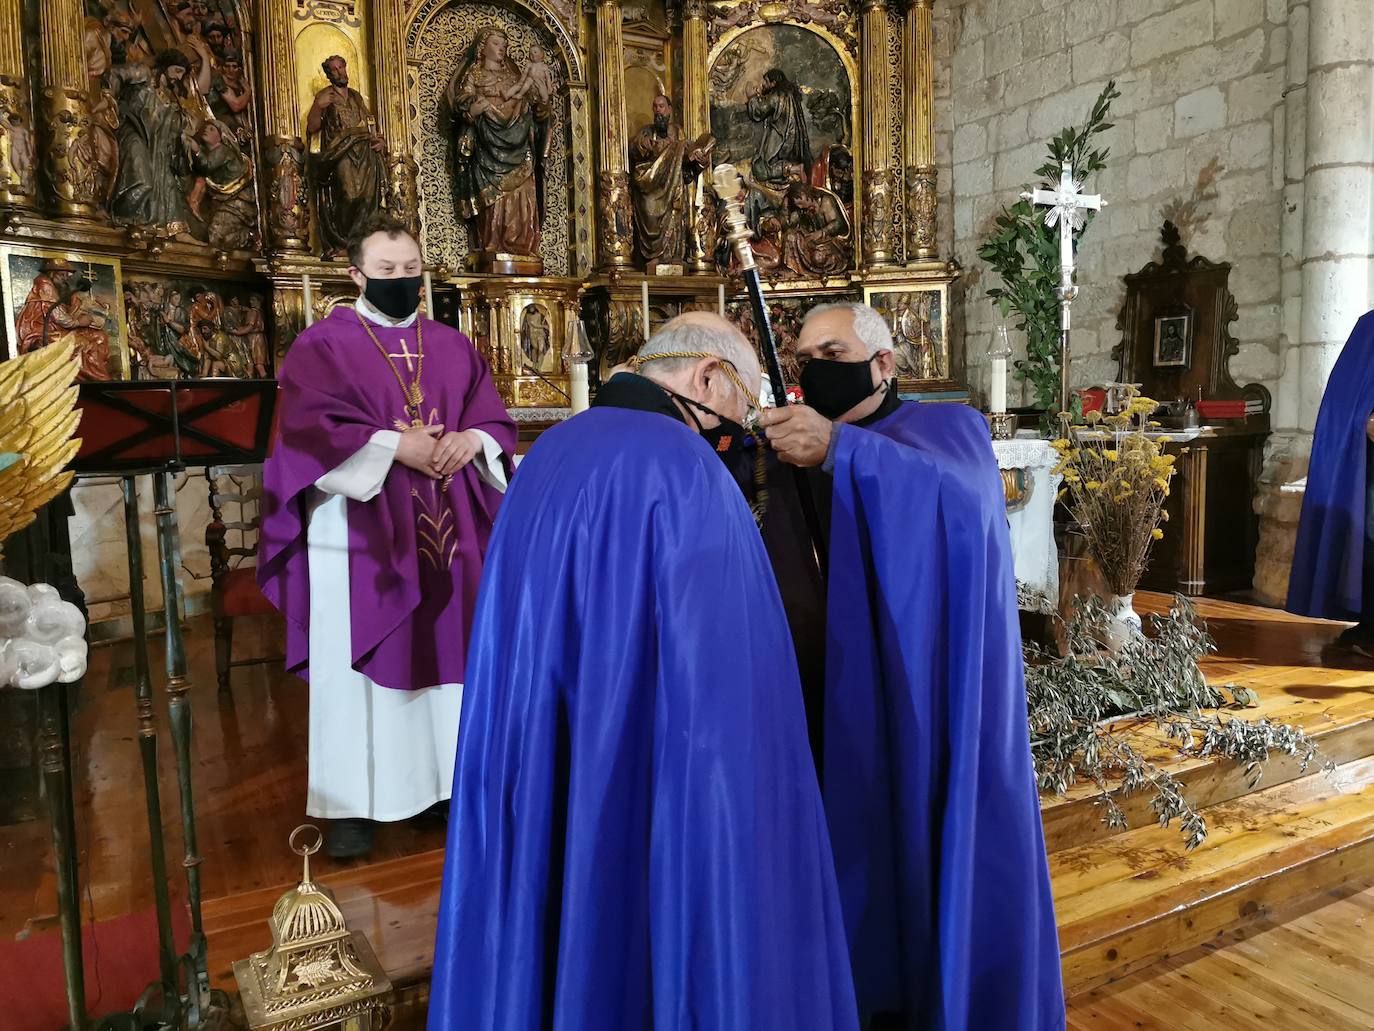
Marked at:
<point>1173,340</point>
<point>52,296</point>
<point>917,313</point>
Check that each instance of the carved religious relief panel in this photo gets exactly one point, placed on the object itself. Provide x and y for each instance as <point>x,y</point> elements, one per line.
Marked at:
<point>191,328</point>
<point>786,315</point>
<point>783,111</point>
<point>173,139</point>
<point>493,136</point>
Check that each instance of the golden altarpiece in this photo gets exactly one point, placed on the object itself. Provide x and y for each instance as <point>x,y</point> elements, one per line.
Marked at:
<point>178,176</point>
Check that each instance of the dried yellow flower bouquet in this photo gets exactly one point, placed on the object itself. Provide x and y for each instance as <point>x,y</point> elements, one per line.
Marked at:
<point>1116,478</point>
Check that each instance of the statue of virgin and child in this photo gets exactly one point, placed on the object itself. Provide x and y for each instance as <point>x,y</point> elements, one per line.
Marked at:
<point>502,116</point>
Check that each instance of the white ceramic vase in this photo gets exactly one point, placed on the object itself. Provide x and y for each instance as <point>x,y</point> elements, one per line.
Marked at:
<point>1124,623</point>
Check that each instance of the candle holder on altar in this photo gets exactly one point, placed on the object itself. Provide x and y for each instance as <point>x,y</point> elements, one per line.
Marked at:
<point>578,353</point>
<point>1003,425</point>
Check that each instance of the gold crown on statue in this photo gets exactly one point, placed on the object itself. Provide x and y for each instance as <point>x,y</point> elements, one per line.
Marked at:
<point>317,973</point>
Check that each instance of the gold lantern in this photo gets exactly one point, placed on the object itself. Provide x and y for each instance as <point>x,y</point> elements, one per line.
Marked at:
<point>317,973</point>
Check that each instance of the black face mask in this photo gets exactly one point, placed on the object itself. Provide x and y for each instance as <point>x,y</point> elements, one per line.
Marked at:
<point>726,440</point>
<point>395,298</point>
<point>833,388</point>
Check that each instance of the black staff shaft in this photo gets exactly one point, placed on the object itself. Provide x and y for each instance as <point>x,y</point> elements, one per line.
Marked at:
<point>769,346</point>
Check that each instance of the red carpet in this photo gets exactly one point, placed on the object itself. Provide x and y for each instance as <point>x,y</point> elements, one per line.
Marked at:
<point>123,952</point>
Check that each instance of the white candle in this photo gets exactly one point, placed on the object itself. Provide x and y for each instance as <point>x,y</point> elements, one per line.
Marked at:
<point>999,386</point>
<point>429,295</point>
<point>309,296</point>
<point>644,306</point>
<point>720,296</point>
<point>580,398</point>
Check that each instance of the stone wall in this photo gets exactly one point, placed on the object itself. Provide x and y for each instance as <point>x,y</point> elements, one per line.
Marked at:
<point>100,556</point>
<point>1201,84</point>
<point>1275,96</point>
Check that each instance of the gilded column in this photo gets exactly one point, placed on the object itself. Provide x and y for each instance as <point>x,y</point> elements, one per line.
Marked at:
<point>879,179</point>
<point>288,206</point>
<point>918,137</point>
<point>68,158</point>
<point>389,93</point>
<point>18,155</point>
<point>615,227</point>
<point>696,120</point>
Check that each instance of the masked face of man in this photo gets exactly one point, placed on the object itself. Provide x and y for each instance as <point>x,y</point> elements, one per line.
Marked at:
<point>839,377</point>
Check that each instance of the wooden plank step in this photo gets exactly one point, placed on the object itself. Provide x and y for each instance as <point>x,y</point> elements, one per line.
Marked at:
<point>1283,658</point>
<point>1131,900</point>
<point>1343,729</point>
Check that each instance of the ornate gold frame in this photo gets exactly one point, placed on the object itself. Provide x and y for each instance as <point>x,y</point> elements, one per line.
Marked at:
<point>934,283</point>
<point>858,146</point>
<point>9,251</point>
<point>581,205</point>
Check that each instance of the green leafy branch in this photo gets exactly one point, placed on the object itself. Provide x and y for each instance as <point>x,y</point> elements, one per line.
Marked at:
<point>1024,252</point>
<point>1086,707</point>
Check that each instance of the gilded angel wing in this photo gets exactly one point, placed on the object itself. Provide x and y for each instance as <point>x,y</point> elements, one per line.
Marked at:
<point>37,419</point>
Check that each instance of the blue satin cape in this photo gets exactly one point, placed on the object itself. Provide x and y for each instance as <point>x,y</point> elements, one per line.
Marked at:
<point>929,790</point>
<point>1328,579</point>
<point>636,837</point>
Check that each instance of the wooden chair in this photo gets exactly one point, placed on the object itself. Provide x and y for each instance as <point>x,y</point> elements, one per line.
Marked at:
<point>234,591</point>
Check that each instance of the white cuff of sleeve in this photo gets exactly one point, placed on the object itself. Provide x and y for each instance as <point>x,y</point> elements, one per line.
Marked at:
<point>360,476</point>
<point>488,462</point>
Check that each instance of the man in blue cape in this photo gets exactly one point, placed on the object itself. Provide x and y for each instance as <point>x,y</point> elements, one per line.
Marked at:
<point>927,779</point>
<point>1333,560</point>
<point>636,837</point>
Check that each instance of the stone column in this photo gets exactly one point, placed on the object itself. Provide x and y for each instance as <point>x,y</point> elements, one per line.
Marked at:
<point>68,157</point>
<point>1328,247</point>
<point>614,225</point>
<point>18,173</point>
<point>696,119</point>
<point>879,180</point>
<point>288,205</point>
<point>389,100</point>
<point>918,133</point>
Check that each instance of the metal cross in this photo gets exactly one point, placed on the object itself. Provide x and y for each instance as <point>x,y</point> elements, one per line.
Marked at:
<point>1067,204</point>
<point>407,354</point>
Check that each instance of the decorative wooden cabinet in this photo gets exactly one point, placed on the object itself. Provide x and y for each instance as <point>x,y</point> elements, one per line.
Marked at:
<point>1177,345</point>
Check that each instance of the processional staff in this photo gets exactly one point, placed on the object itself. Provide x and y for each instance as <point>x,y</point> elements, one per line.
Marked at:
<point>727,182</point>
<point>1067,204</point>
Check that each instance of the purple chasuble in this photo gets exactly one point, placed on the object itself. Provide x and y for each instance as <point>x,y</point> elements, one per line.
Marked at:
<point>415,550</point>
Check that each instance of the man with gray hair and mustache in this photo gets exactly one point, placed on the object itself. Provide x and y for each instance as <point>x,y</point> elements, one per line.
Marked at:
<point>636,836</point>
<point>925,762</point>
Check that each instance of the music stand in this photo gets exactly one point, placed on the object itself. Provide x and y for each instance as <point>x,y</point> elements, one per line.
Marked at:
<point>159,428</point>
<point>148,426</point>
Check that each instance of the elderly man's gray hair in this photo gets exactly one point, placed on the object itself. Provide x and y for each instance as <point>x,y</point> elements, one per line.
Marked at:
<point>691,334</point>
<point>869,326</point>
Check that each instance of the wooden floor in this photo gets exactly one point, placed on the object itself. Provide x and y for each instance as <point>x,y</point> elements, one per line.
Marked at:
<point>1149,933</point>
<point>1309,968</point>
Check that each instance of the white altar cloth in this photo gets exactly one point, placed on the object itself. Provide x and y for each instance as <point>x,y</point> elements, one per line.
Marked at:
<point>1032,520</point>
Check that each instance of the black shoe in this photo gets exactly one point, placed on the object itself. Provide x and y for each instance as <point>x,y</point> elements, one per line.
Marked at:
<point>348,839</point>
<point>438,811</point>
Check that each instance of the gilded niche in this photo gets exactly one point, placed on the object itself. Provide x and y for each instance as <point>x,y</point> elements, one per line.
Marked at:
<point>491,131</point>
<point>782,111</point>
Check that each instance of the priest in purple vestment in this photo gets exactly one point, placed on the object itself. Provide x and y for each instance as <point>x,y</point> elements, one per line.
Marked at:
<point>924,751</point>
<point>393,451</point>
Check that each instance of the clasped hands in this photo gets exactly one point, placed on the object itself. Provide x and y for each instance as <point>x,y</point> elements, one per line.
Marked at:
<point>800,435</point>
<point>436,454</point>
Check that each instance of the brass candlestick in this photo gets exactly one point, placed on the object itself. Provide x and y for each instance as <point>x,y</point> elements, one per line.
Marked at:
<point>1003,425</point>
